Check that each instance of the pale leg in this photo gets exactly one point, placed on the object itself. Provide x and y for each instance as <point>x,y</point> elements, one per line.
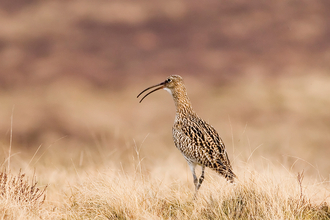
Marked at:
<point>197,182</point>
<point>192,168</point>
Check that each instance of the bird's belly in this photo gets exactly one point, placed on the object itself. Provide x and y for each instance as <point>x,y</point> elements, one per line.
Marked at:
<point>189,153</point>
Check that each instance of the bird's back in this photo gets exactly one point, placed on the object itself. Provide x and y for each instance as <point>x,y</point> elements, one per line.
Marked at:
<point>200,144</point>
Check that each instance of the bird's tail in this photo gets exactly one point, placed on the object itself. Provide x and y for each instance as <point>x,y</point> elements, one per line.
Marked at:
<point>230,176</point>
<point>226,171</point>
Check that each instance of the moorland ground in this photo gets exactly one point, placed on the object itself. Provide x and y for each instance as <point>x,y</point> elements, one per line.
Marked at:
<point>70,73</point>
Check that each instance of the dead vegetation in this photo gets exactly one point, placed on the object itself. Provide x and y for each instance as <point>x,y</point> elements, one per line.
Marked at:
<point>109,193</point>
<point>18,189</point>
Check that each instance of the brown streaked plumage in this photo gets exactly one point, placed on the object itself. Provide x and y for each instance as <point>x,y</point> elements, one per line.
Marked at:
<point>198,141</point>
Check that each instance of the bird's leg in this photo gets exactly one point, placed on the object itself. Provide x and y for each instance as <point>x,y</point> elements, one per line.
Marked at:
<point>201,178</point>
<point>192,168</point>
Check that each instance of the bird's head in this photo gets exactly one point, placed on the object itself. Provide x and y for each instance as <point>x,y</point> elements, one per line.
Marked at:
<point>170,84</point>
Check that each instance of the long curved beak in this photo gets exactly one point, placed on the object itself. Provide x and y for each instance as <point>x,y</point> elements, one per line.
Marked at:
<point>161,86</point>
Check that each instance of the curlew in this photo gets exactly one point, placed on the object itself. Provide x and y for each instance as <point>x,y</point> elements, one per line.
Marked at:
<point>198,141</point>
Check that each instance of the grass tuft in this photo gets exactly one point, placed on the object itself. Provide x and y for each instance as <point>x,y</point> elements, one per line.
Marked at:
<point>17,189</point>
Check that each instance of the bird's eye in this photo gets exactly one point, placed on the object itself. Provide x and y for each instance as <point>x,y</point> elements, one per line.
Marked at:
<point>168,80</point>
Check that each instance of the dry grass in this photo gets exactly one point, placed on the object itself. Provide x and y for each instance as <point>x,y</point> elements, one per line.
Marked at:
<point>104,156</point>
<point>18,189</point>
<point>121,164</point>
<point>107,192</point>
<point>20,198</point>
<point>106,197</point>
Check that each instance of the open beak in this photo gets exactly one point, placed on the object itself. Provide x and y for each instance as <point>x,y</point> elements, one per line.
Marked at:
<point>161,86</point>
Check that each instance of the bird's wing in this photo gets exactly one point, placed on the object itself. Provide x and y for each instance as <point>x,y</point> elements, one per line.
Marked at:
<point>205,143</point>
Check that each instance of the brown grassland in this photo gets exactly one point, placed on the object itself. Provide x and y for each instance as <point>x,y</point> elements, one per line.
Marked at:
<point>131,169</point>
<point>76,144</point>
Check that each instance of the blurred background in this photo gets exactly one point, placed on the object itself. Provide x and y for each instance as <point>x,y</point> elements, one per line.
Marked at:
<point>258,71</point>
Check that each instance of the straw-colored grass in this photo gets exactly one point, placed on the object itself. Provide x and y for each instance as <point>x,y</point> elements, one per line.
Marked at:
<point>127,197</point>
<point>20,197</point>
<point>105,156</point>
<point>111,193</point>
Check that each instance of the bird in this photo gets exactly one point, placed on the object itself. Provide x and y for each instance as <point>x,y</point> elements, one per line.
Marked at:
<point>199,143</point>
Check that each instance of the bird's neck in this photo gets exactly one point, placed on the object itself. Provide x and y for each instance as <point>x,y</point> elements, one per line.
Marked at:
<point>182,102</point>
